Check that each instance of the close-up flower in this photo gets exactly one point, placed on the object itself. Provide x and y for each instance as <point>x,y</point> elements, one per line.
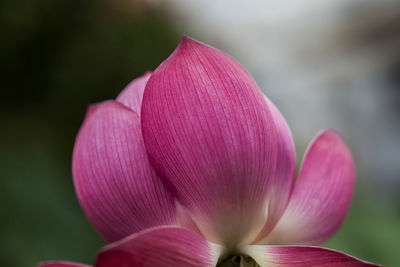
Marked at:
<point>192,165</point>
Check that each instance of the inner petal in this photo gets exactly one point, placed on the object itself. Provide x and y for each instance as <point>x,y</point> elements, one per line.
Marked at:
<point>212,138</point>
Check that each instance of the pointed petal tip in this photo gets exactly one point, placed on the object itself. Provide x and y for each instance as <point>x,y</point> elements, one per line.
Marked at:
<point>186,40</point>
<point>131,96</point>
<point>334,140</point>
<point>331,136</point>
<point>91,109</point>
<point>145,75</point>
<point>94,108</point>
<point>189,42</point>
<point>329,133</point>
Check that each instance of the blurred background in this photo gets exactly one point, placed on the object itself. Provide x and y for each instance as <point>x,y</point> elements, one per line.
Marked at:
<point>325,64</point>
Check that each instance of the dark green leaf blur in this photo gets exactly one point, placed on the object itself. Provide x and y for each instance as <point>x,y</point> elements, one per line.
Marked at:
<point>57,57</point>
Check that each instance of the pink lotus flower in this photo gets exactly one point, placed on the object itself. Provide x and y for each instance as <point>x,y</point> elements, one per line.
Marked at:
<point>193,166</point>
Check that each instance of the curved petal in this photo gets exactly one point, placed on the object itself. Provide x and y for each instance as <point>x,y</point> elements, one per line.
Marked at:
<point>210,134</point>
<point>285,172</point>
<point>61,264</point>
<point>132,95</point>
<point>117,187</point>
<point>321,196</point>
<point>161,246</point>
<point>296,256</point>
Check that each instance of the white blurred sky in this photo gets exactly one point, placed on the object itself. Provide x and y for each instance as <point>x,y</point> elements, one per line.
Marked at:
<point>307,57</point>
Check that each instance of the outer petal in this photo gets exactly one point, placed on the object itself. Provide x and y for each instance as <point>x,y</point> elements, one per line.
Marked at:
<point>291,256</point>
<point>117,187</point>
<point>286,170</point>
<point>321,196</point>
<point>209,133</point>
<point>132,95</point>
<point>162,246</point>
<point>61,264</point>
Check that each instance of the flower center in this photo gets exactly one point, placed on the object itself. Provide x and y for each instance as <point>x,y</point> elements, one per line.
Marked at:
<point>238,261</point>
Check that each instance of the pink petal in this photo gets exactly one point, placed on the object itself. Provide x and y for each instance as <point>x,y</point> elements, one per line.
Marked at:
<point>299,256</point>
<point>161,246</point>
<point>321,196</point>
<point>117,187</point>
<point>132,95</point>
<point>210,134</point>
<point>285,173</point>
<point>61,264</point>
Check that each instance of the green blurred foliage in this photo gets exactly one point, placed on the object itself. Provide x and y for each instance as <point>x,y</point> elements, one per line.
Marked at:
<point>56,58</point>
<point>372,228</point>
